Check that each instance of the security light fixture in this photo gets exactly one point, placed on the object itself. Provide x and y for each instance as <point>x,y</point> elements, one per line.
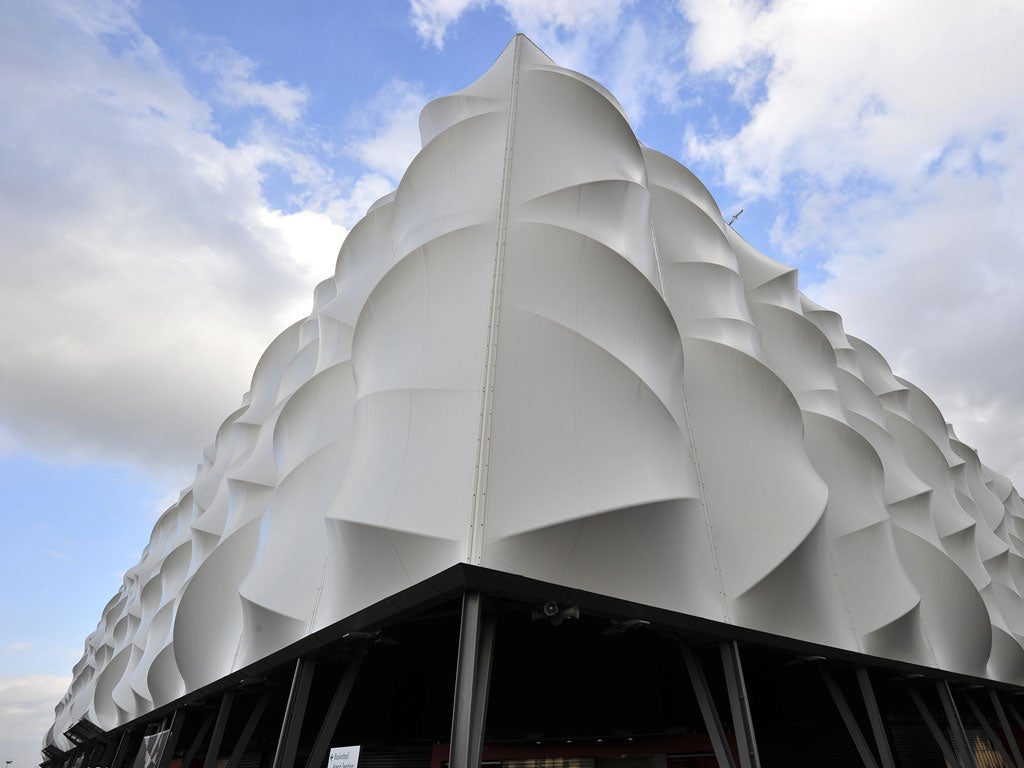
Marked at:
<point>555,613</point>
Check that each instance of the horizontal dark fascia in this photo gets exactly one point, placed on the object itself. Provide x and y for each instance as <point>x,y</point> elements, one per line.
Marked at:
<point>520,591</point>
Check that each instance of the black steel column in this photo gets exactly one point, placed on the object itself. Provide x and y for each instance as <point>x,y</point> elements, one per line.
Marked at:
<point>472,681</point>
<point>742,723</point>
<point>875,718</point>
<point>848,719</point>
<point>989,731</point>
<point>177,722</point>
<point>97,751</point>
<point>712,722</point>
<point>956,725</point>
<point>112,746</point>
<point>122,748</point>
<point>997,705</point>
<point>250,728</point>
<point>294,713</point>
<point>933,727</point>
<point>213,750</point>
<point>336,708</point>
<point>197,742</point>
<point>1016,714</point>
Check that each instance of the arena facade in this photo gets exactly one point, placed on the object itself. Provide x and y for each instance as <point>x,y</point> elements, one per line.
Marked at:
<point>560,471</point>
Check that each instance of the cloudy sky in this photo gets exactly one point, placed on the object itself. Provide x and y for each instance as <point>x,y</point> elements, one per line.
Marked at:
<point>177,175</point>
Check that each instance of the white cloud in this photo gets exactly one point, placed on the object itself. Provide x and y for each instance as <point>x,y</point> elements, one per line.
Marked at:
<point>387,136</point>
<point>363,192</point>
<point>26,711</point>
<point>891,137</point>
<point>876,87</point>
<point>634,48</point>
<point>237,86</point>
<point>142,272</point>
<point>19,647</point>
<point>384,136</point>
<point>645,65</point>
<point>432,18</point>
<point>556,23</point>
<point>566,17</point>
<point>578,35</point>
<point>310,236</point>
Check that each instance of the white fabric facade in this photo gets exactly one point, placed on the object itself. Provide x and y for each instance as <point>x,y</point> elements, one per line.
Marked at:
<point>545,353</point>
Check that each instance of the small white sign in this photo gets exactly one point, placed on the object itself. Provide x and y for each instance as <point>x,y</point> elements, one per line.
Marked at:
<point>343,757</point>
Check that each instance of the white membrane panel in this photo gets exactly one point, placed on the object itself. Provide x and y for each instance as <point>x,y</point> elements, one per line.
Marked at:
<point>545,353</point>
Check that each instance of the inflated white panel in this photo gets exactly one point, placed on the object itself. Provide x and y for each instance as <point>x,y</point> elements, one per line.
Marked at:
<point>546,353</point>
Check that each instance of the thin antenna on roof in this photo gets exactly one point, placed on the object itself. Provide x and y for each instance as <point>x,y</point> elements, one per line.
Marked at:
<point>735,216</point>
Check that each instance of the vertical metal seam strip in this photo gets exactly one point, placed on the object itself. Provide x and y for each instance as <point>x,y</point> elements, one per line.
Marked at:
<point>316,602</point>
<point>657,254</point>
<point>840,591</point>
<point>701,491</point>
<point>476,533</point>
